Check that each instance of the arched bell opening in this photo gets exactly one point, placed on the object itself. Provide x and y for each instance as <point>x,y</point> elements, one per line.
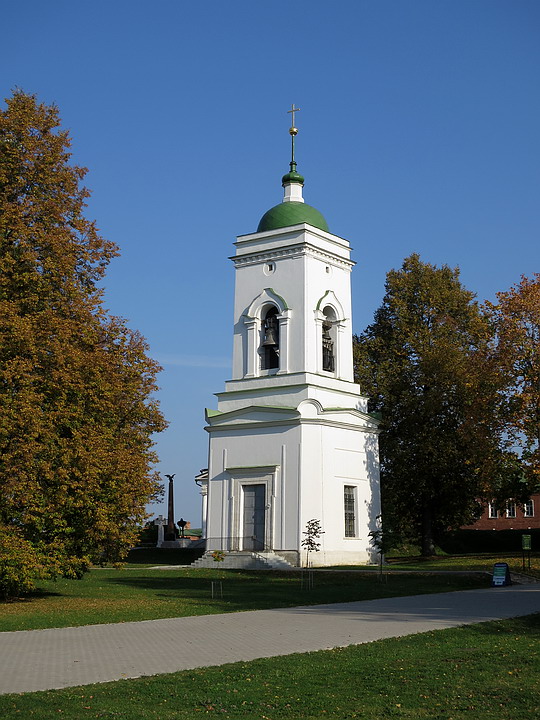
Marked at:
<point>269,347</point>
<point>265,335</point>
<point>329,340</point>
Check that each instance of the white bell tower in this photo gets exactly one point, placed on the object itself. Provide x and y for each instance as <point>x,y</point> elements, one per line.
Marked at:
<point>291,439</point>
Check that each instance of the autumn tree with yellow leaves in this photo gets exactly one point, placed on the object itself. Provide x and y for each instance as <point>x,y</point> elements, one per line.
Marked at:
<point>516,318</point>
<point>77,411</point>
<point>457,385</point>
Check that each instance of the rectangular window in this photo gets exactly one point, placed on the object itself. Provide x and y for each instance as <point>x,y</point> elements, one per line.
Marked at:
<point>511,510</point>
<point>528,508</point>
<point>350,510</point>
<point>493,514</point>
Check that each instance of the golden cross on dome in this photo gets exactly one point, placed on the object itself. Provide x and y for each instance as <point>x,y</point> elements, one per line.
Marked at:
<point>293,110</point>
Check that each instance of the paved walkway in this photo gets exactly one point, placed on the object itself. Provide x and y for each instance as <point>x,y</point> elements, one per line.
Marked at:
<point>45,659</point>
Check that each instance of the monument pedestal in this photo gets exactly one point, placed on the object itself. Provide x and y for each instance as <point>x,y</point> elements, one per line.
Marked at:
<point>178,543</point>
<point>170,544</point>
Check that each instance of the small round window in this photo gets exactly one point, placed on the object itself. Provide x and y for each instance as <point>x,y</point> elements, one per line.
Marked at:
<point>269,268</point>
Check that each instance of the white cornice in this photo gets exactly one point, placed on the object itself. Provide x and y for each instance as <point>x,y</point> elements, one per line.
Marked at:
<point>293,251</point>
<point>291,229</point>
<point>233,419</point>
<point>274,384</point>
<point>227,427</point>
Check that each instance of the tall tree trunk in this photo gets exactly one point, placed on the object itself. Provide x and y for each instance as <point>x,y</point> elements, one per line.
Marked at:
<point>428,548</point>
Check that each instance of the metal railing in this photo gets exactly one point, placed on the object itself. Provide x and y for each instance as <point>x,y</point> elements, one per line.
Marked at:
<point>234,544</point>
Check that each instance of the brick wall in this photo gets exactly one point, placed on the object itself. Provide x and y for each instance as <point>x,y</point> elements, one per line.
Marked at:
<point>502,522</point>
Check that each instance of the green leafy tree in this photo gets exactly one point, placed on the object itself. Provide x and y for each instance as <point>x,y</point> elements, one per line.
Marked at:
<point>76,385</point>
<point>425,364</point>
<point>312,532</point>
<point>516,317</point>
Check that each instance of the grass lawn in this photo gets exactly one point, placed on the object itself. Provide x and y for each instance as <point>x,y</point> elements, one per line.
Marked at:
<point>468,562</point>
<point>489,671</point>
<point>138,593</point>
<point>480,563</point>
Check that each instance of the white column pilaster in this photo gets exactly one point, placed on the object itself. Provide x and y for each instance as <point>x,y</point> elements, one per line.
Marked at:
<point>284,341</point>
<point>252,341</point>
<point>204,509</point>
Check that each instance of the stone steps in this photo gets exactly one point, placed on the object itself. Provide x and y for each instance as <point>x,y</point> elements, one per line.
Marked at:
<point>244,561</point>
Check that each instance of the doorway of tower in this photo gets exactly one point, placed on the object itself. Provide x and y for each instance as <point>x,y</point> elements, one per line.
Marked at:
<point>254,512</point>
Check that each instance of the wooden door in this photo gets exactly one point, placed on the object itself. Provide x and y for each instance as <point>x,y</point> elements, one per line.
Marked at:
<point>254,512</point>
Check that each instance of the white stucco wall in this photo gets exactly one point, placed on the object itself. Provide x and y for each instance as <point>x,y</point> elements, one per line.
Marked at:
<point>302,432</point>
<point>348,457</point>
<point>304,466</point>
<point>264,455</point>
<point>307,266</point>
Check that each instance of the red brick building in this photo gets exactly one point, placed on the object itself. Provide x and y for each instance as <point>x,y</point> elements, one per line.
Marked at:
<point>514,517</point>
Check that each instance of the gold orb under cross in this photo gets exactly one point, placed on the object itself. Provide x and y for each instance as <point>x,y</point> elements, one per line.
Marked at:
<point>293,130</point>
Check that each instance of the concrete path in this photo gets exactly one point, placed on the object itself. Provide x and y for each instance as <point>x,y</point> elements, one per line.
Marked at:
<point>57,658</point>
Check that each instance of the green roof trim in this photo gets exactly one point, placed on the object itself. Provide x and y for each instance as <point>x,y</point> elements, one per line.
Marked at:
<point>321,300</point>
<point>212,413</point>
<point>275,294</point>
<point>274,407</point>
<point>291,213</point>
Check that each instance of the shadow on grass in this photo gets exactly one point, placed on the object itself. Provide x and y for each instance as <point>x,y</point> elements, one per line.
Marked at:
<point>271,589</point>
<point>450,559</point>
<point>234,583</point>
<point>240,592</point>
<point>37,594</point>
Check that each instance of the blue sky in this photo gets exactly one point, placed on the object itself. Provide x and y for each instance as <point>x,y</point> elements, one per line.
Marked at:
<point>419,132</point>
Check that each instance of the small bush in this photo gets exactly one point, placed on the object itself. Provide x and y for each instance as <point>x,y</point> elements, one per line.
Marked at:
<point>20,564</point>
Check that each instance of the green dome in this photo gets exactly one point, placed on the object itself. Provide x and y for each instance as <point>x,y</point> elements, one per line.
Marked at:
<point>292,176</point>
<point>291,213</point>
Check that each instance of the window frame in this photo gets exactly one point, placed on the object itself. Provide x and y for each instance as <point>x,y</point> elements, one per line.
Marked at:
<point>350,515</point>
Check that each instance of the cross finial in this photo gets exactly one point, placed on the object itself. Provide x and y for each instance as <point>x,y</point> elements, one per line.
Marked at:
<point>293,110</point>
<point>293,131</point>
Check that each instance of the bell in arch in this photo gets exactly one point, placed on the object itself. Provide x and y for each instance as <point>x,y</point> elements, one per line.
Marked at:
<point>329,363</point>
<point>270,343</point>
<point>271,333</point>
